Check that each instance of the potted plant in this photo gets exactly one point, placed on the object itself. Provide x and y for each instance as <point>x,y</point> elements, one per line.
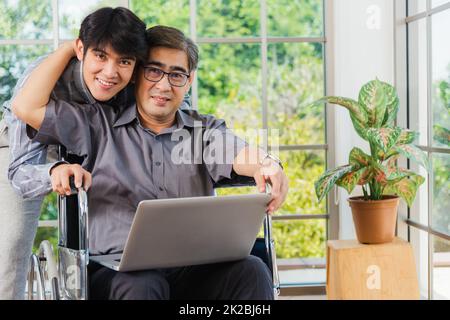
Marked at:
<point>382,181</point>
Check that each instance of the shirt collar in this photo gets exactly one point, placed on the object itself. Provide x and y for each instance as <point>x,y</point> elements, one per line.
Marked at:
<point>187,117</point>
<point>79,81</point>
<point>184,118</point>
<point>126,116</point>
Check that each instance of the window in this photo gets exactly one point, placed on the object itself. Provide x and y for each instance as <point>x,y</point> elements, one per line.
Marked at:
<point>261,64</point>
<point>428,112</point>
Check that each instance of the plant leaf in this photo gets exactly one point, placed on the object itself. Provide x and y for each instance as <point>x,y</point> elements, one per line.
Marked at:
<point>412,152</point>
<point>358,158</point>
<point>328,179</point>
<point>357,114</point>
<point>378,173</point>
<point>351,105</point>
<point>392,104</point>
<point>405,188</point>
<point>397,174</point>
<point>350,180</point>
<point>372,99</point>
<point>365,176</point>
<point>391,168</point>
<point>384,138</point>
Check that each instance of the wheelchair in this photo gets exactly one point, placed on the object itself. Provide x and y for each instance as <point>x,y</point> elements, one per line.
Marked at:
<point>65,277</point>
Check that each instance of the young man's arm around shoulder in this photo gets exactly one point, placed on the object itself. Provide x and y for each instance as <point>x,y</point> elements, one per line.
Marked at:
<point>30,103</point>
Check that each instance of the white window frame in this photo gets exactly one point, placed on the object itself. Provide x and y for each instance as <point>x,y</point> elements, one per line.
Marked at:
<point>411,225</point>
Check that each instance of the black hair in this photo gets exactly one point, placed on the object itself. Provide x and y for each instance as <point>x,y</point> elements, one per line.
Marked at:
<point>168,37</point>
<point>119,27</point>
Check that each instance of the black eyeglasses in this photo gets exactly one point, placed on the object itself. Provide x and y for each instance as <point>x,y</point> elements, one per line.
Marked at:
<point>176,79</point>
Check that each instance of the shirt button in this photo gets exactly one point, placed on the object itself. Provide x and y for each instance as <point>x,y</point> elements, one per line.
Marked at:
<point>157,163</point>
<point>161,189</point>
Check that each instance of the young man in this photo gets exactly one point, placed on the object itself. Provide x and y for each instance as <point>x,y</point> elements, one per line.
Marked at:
<point>110,43</point>
<point>134,159</point>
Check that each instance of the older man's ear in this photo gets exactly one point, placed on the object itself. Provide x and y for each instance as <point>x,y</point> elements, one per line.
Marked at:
<point>190,80</point>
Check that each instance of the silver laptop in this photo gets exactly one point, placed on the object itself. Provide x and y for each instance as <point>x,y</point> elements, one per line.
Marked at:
<point>190,231</point>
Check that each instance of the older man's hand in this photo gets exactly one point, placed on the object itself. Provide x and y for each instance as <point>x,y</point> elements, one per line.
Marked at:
<point>271,173</point>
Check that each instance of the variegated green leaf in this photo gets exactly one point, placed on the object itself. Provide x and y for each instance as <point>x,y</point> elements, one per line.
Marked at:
<point>383,138</point>
<point>392,104</point>
<point>418,179</point>
<point>327,180</point>
<point>360,127</point>
<point>357,114</point>
<point>358,158</point>
<point>372,99</point>
<point>412,152</point>
<point>366,176</point>
<point>378,173</point>
<point>405,188</point>
<point>407,137</point>
<point>350,180</point>
<point>391,168</point>
<point>351,105</point>
<point>398,174</point>
<point>394,173</point>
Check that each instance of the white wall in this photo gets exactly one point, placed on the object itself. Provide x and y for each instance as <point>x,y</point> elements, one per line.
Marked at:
<point>362,37</point>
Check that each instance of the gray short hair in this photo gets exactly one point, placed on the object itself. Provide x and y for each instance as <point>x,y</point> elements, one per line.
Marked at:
<point>163,36</point>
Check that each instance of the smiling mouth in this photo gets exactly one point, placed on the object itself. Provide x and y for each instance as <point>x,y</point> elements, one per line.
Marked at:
<point>105,84</point>
<point>160,100</point>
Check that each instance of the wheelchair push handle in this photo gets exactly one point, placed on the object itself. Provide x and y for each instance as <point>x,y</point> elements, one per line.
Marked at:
<point>73,188</point>
<point>83,225</point>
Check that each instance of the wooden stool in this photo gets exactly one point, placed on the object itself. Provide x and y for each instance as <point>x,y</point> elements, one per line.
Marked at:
<point>375,271</point>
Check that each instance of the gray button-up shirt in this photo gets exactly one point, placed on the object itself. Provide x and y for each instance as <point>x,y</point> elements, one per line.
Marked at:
<point>130,163</point>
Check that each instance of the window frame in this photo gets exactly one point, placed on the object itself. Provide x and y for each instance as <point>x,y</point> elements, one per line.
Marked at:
<point>409,226</point>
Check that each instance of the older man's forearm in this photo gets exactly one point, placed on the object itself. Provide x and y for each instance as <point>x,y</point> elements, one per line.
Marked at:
<point>248,160</point>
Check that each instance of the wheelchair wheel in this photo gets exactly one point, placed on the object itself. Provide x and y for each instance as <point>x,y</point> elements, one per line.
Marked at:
<point>44,273</point>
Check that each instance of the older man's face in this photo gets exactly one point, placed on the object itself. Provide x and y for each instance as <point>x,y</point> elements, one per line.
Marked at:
<point>159,101</point>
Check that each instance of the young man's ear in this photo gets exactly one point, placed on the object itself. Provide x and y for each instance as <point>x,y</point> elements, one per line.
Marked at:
<point>79,49</point>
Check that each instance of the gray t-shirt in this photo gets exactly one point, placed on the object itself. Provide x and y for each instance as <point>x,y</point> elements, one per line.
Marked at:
<point>130,163</point>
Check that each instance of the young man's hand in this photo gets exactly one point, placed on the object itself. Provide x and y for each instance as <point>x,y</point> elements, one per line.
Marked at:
<point>61,174</point>
<point>271,173</point>
<point>70,47</point>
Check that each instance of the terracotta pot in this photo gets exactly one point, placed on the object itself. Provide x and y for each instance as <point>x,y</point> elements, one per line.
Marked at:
<point>374,220</point>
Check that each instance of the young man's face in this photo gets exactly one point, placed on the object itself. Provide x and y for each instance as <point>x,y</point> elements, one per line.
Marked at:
<point>160,100</point>
<point>104,71</point>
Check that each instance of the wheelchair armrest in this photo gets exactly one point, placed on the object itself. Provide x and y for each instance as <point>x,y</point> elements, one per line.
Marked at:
<point>235,181</point>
